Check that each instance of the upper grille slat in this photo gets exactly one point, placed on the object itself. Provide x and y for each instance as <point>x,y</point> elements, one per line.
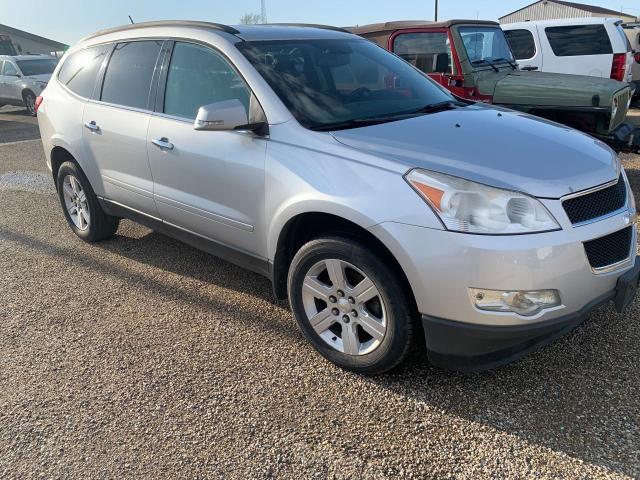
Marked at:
<point>596,204</point>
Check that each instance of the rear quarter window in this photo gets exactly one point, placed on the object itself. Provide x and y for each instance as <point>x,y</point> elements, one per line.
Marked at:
<point>578,40</point>
<point>522,43</point>
<point>80,69</point>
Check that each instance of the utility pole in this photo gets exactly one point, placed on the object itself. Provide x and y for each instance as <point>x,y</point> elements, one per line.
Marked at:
<point>436,15</point>
<point>263,11</point>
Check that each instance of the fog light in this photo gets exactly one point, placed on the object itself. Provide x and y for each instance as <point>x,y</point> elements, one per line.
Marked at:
<point>525,303</point>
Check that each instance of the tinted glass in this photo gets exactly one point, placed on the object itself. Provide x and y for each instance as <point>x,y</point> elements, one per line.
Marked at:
<point>127,80</point>
<point>199,76</point>
<point>328,82</point>
<point>80,69</point>
<point>576,40</point>
<point>485,44</point>
<point>430,52</point>
<point>37,67</point>
<point>9,69</point>
<point>522,43</point>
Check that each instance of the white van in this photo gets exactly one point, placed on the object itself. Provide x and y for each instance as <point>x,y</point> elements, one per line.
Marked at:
<point>581,46</point>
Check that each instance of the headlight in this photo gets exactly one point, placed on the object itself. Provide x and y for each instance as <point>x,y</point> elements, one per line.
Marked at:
<point>470,207</point>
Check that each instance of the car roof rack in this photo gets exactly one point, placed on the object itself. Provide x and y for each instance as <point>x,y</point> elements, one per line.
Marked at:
<point>311,25</point>
<point>166,23</point>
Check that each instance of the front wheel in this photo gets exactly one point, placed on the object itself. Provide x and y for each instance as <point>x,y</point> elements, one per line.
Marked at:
<point>351,305</point>
<point>30,103</point>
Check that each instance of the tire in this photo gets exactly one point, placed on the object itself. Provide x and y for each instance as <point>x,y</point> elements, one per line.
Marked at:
<point>378,346</point>
<point>30,102</point>
<point>81,207</point>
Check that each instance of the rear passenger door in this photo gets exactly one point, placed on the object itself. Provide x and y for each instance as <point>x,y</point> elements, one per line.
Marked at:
<point>115,124</point>
<point>578,50</point>
<point>207,182</point>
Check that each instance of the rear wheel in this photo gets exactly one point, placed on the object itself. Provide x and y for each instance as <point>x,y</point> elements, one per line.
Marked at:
<point>350,305</point>
<point>30,102</point>
<point>81,207</point>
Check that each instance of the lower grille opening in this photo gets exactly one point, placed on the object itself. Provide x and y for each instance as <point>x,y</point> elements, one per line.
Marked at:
<point>606,251</point>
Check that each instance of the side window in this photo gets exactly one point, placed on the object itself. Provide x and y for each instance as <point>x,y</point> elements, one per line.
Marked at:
<point>199,76</point>
<point>127,80</point>
<point>522,43</point>
<point>80,69</point>
<point>429,52</point>
<point>575,40</point>
<point>9,69</point>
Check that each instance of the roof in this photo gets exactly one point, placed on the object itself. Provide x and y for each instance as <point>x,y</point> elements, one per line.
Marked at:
<point>579,6</point>
<point>406,24</point>
<point>245,32</point>
<point>56,46</point>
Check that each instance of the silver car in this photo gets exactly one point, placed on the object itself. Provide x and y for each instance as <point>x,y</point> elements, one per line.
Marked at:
<point>380,205</point>
<point>23,78</point>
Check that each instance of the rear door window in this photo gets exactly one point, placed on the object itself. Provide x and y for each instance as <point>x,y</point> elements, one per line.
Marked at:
<point>522,43</point>
<point>428,51</point>
<point>577,40</point>
<point>199,76</point>
<point>129,74</point>
<point>80,69</point>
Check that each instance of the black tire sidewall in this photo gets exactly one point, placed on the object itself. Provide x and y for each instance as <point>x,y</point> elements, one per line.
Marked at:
<point>70,168</point>
<point>398,336</point>
<point>33,113</point>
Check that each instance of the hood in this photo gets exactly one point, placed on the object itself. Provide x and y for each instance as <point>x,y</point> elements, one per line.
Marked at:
<point>45,77</point>
<point>547,89</point>
<point>497,147</point>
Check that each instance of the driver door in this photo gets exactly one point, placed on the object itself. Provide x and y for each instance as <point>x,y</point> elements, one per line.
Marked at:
<point>211,183</point>
<point>10,84</point>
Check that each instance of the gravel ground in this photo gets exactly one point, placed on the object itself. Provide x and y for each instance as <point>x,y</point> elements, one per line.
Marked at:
<point>140,357</point>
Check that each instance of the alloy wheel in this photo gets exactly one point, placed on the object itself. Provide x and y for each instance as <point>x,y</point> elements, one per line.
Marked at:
<point>75,200</point>
<point>344,307</point>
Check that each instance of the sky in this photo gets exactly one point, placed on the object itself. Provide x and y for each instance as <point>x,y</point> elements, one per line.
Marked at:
<point>68,21</point>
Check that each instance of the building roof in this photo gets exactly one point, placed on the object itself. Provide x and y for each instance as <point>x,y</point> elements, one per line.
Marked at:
<point>397,25</point>
<point>56,46</point>
<point>579,6</point>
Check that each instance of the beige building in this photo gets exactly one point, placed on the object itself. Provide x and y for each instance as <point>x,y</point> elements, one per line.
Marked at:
<point>555,9</point>
<point>25,42</point>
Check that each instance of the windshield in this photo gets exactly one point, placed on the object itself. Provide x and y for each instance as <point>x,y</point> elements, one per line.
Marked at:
<point>329,82</point>
<point>485,44</point>
<point>37,67</point>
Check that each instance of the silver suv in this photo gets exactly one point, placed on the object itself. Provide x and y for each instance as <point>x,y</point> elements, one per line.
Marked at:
<point>23,77</point>
<point>380,205</point>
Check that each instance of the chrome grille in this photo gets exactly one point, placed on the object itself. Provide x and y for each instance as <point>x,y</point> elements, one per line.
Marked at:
<point>623,107</point>
<point>598,203</point>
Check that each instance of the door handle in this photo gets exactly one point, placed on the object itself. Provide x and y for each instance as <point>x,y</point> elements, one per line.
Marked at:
<point>163,143</point>
<point>92,126</point>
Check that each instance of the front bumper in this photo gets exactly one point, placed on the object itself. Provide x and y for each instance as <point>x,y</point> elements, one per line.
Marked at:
<point>442,266</point>
<point>625,138</point>
<point>466,347</point>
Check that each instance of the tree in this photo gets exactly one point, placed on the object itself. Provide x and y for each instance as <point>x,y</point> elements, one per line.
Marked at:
<point>250,19</point>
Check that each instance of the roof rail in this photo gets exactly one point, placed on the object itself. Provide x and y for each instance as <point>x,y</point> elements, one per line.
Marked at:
<point>311,25</point>
<point>165,23</point>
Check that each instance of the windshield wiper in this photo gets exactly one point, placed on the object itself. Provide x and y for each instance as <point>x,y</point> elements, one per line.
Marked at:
<point>440,106</point>
<point>487,62</point>
<point>502,59</point>
<point>357,123</point>
<point>368,121</point>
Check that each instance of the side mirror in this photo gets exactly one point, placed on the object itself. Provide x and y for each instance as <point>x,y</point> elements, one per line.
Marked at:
<point>230,115</point>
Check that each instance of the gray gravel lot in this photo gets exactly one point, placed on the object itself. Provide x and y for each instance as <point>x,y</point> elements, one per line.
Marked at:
<point>140,357</point>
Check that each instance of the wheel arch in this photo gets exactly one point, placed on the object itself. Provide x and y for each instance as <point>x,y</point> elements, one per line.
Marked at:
<point>306,226</point>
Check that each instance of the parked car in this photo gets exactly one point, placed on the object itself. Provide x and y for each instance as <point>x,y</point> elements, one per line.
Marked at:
<point>373,199</point>
<point>473,60</point>
<point>596,47</point>
<point>633,34</point>
<point>23,77</point>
